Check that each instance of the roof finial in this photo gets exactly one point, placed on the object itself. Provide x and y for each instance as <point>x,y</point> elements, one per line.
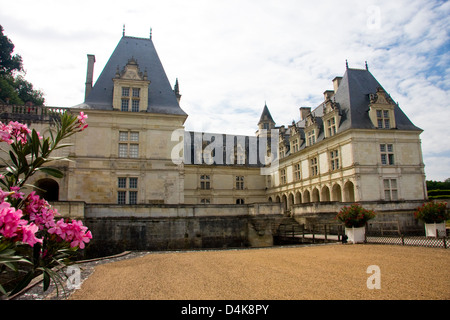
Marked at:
<point>346,64</point>
<point>150,33</point>
<point>123,32</point>
<point>367,67</point>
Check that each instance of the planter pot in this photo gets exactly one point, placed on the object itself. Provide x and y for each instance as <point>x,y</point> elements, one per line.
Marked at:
<point>430,229</point>
<point>356,235</point>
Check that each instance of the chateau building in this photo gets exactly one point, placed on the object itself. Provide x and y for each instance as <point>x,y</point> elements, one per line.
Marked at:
<point>357,145</point>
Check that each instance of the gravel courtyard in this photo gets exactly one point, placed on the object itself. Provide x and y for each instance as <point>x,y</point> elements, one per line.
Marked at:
<point>323,272</point>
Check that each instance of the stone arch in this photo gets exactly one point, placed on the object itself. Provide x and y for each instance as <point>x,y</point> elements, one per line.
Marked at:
<point>325,194</point>
<point>306,196</point>
<point>315,195</point>
<point>284,201</point>
<point>290,200</point>
<point>270,199</point>
<point>298,197</point>
<point>47,189</point>
<point>349,192</point>
<point>277,199</point>
<point>336,193</point>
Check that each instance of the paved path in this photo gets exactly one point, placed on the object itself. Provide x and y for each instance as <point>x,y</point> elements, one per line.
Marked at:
<point>332,271</point>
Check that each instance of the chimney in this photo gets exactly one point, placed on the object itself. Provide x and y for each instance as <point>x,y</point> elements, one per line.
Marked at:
<point>304,111</point>
<point>336,83</point>
<point>89,75</point>
<point>328,94</point>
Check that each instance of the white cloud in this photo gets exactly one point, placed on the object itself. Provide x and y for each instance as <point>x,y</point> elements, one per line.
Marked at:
<point>234,55</point>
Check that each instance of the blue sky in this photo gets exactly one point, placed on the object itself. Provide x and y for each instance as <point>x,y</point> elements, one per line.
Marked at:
<point>233,56</point>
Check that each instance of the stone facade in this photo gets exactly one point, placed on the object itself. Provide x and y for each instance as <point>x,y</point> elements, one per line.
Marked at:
<point>356,146</point>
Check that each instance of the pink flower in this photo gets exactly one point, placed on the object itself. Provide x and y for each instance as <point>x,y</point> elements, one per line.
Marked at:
<point>19,131</point>
<point>16,194</point>
<point>5,133</point>
<point>10,220</point>
<point>29,234</point>
<point>74,232</point>
<point>82,121</point>
<point>3,195</point>
<point>59,229</point>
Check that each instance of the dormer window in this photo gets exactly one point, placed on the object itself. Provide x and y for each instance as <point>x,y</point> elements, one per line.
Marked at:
<point>311,137</point>
<point>383,119</point>
<point>331,127</point>
<point>130,88</point>
<point>381,110</point>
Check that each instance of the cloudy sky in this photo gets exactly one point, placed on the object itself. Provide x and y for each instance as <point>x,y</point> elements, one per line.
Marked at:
<point>233,56</point>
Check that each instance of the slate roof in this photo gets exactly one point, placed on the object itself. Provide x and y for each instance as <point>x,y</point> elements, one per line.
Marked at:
<point>266,116</point>
<point>161,97</point>
<point>353,99</point>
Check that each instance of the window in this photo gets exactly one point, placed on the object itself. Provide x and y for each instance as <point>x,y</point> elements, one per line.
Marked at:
<point>240,201</point>
<point>334,159</point>
<point>135,105</point>
<point>311,137</point>
<point>205,201</point>
<point>297,173</point>
<point>125,104</point>
<point>331,125</point>
<point>239,182</point>
<point>387,154</point>
<point>205,182</point>
<point>127,190</point>
<point>383,120</point>
<point>314,166</point>
<point>135,99</point>
<point>283,176</point>
<point>128,144</point>
<point>282,152</point>
<point>390,190</point>
<point>136,92</point>
<point>295,147</point>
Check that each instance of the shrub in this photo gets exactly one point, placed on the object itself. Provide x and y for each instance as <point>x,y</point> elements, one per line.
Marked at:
<point>355,216</point>
<point>432,212</point>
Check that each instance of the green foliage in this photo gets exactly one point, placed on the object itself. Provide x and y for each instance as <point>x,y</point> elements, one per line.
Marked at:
<point>9,63</point>
<point>438,185</point>
<point>433,212</point>
<point>14,89</point>
<point>355,216</point>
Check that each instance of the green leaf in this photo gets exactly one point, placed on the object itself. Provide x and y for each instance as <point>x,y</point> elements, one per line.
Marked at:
<point>23,283</point>
<point>51,171</point>
<point>13,158</point>
<point>46,280</point>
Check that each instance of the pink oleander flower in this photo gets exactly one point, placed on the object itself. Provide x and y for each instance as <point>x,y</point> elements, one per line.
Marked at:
<point>4,194</point>
<point>74,232</point>
<point>5,133</point>
<point>29,234</point>
<point>10,220</point>
<point>59,229</point>
<point>19,131</point>
<point>16,194</point>
<point>82,121</point>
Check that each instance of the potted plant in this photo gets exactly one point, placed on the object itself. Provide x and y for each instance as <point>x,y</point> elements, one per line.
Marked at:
<point>354,218</point>
<point>433,214</point>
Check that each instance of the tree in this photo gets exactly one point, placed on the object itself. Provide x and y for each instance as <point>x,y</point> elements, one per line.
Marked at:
<point>8,63</point>
<point>14,89</point>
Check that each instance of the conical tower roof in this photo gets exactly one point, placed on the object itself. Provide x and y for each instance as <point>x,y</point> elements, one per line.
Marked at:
<point>161,97</point>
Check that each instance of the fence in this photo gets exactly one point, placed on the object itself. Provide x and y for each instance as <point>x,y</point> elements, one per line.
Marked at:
<point>390,233</point>
<point>387,232</point>
<point>311,233</point>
